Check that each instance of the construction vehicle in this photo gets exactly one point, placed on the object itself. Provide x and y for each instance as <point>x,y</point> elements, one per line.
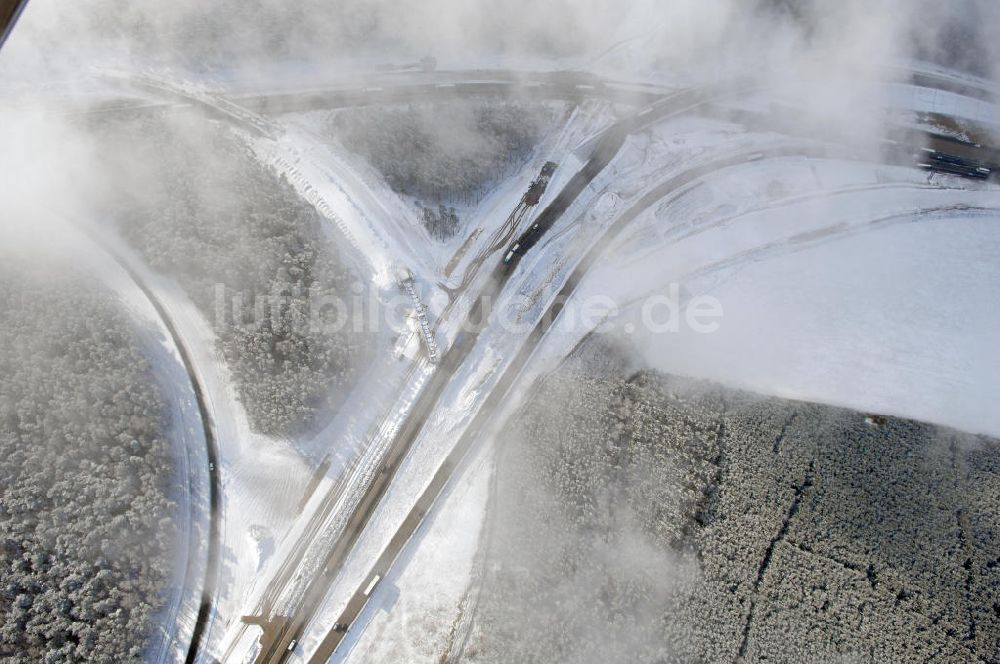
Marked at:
<point>530,199</point>
<point>537,188</point>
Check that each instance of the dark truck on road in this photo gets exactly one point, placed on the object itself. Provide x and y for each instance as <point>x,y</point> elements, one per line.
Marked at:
<point>947,163</point>
<point>531,198</point>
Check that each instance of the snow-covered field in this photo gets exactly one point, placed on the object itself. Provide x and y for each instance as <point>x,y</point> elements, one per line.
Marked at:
<point>850,291</point>
<point>898,319</point>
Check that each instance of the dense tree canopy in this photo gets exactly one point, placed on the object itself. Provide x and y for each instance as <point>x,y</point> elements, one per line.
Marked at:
<point>204,211</point>
<point>86,523</point>
<point>447,153</point>
<point>654,518</point>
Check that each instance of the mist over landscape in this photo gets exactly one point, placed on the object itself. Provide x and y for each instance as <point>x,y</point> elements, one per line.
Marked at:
<point>557,332</point>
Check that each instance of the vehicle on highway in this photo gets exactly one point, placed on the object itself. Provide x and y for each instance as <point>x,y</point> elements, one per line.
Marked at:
<point>371,585</point>
<point>531,197</point>
<point>292,644</point>
<point>523,243</point>
<point>948,163</point>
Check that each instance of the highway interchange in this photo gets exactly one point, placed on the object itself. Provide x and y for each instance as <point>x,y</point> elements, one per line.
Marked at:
<point>281,633</point>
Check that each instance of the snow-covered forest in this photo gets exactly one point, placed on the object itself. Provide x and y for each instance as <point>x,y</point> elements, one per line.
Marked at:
<point>444,154</point>
<point>198,206</point>
<point>86,520</point>
<point>650,518</point>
